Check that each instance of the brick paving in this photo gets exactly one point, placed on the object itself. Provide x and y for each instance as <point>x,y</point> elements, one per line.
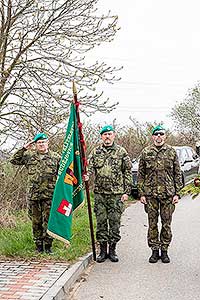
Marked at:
<point>28,280</point>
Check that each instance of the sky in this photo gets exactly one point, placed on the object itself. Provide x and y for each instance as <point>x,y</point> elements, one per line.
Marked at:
<point>159,48</point>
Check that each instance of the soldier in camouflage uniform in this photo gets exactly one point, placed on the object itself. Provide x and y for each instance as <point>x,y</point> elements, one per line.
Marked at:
<point>42,166</point>
<point>159,183</point>
<point>111,166</point>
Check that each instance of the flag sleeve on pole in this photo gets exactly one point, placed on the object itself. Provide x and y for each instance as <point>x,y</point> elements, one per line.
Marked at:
<point>68,192</point>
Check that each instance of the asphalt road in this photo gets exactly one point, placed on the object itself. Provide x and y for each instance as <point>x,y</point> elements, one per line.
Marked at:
<point>134,278</point>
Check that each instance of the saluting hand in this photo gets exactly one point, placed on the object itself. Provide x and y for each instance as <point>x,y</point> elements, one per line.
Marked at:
<point>28,145</point>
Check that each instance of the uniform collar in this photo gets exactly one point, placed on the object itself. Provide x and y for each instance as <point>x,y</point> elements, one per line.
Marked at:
<point>109,147</point>
<point>40,153</point>
<point>157,149</point>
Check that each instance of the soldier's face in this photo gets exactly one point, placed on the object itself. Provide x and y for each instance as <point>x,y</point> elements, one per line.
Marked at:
<point>159,138</point>
<point>108,138</point>
<point>42,146</point>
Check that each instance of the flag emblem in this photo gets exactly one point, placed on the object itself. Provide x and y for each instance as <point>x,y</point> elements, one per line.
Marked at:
<point>65,208</point>
<point>70,177</point>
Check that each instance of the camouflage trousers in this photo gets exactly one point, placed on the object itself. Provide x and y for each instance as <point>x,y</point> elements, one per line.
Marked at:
<point>38,211</point>
<point>108,210</point>
<point>164,208</point>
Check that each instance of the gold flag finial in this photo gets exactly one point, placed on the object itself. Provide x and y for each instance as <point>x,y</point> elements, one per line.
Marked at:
<point>74,88</point>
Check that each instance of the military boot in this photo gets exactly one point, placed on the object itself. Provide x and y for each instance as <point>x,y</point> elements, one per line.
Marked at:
<point>103,252</point>
<point>154,257</point>
<point>164,257</point>
<point>39,248</point>
<point>112,253</point>
<point>48,249</point>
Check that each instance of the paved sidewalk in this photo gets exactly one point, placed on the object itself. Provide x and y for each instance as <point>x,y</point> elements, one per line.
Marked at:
<point>39,280</point>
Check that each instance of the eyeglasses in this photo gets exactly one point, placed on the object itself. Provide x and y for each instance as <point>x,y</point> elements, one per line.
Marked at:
<point>159,133</point>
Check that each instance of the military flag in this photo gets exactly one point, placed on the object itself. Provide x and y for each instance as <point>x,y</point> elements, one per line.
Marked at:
<point>68,192</point>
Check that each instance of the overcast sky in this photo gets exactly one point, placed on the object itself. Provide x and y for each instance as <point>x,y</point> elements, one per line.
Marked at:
<point>159,47</point>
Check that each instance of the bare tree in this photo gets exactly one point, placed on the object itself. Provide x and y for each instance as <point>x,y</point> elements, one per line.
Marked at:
<point>42,48</point>
<point>135,137</point>
<point>186,114</point>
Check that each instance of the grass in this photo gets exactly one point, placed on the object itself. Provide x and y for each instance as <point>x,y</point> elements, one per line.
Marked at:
<point>190,189</point>
<point>17,242</point>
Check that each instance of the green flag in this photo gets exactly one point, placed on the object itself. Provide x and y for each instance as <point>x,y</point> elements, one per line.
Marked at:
<point>68,192</point>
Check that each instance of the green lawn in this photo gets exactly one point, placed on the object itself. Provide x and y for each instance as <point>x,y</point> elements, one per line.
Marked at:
<point>190,189</point>
<point>16,242</point>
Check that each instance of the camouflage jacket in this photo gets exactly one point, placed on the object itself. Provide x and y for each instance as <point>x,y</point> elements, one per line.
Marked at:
<point>112,169</point>
<point>42,171</point>
<point>159,172</point>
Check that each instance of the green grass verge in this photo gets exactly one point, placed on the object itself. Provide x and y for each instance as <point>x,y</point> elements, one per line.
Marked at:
<point>17,242</point>
<point>190,189</point>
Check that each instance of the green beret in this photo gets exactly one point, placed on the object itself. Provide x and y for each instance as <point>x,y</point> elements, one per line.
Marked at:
<point>157,128</point>
<point>106,129</point>
<point>40,136</point>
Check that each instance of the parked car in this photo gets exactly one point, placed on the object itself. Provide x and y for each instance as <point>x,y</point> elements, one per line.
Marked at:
<point>189,163</point>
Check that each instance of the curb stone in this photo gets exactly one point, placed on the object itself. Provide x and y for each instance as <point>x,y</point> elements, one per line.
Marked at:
<point>61,287</point>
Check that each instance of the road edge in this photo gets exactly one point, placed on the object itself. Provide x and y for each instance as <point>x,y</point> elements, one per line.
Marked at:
<point>61,287</point>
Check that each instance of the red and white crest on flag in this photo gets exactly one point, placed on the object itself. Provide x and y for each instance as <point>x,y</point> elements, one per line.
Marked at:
<point>65,208</point>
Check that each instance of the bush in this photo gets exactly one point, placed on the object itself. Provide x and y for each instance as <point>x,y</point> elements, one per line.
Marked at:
<point>13,192</point>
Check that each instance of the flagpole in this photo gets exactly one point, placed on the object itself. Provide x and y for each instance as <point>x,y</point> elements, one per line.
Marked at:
<point>84,163</point>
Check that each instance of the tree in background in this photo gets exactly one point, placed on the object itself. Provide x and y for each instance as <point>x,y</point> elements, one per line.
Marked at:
<point>186,114</point>
<point>182,139</point>
<point>136,137</point>
<point>133,138</point>
<point>42,47</point>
